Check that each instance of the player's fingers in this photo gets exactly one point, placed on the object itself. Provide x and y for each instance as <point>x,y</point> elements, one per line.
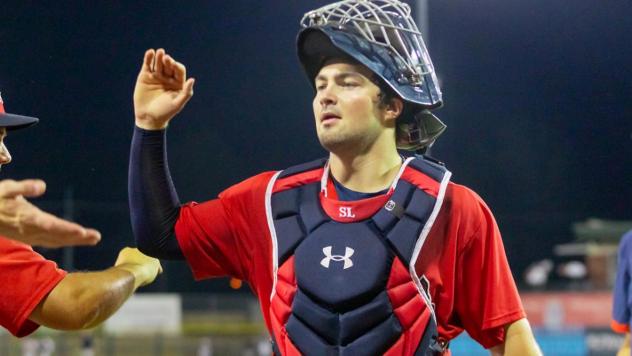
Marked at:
<point>29,187</point>
<point>92,236</point>
<point>169,64</point>
<point>188,87</point>
<point>185,94</point>
<point>58,232</point>
<point>148,60</point>
<point>159,61</point>
<point>180,72</point>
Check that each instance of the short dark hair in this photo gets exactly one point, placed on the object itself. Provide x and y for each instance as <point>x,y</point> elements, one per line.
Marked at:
<point>387,94</point>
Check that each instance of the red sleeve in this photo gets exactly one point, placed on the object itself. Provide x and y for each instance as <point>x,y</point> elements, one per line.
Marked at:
<point>26,278</point>
<point>220,237</point>
<point>486,297</point>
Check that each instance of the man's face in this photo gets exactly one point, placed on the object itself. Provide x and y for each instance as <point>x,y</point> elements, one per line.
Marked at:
<point>5,156</point>
<point>346,107</point>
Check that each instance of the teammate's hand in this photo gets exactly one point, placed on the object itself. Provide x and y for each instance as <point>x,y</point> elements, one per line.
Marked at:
<point>162,89</point>
<point>22,221</point>
<point>144,268</point>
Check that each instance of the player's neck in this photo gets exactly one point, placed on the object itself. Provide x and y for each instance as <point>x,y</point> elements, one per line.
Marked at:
<point>369,171</point>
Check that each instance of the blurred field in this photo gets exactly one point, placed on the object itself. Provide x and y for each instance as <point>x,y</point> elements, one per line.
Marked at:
<point>232,325</point>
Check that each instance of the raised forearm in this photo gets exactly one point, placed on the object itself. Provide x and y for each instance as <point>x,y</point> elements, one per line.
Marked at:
<point>154,203</point>
<point>162,90</point>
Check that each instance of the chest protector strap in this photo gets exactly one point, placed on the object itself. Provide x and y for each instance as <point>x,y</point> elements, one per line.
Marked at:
<point>351,288</point>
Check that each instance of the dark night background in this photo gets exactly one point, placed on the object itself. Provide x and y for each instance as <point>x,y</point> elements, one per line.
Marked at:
<point>538,100</point>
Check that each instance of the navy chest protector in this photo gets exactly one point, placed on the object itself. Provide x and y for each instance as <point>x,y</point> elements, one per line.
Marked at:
<point>348,288</point>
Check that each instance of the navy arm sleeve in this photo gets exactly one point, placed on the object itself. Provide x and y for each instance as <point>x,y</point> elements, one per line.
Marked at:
<point>154,203</point>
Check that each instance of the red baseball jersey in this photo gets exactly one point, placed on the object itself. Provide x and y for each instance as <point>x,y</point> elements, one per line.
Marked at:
<point>463,257</point>
<point>26,278</point>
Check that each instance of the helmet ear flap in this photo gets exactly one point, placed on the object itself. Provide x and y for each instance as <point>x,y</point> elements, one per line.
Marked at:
<point>419,131</point>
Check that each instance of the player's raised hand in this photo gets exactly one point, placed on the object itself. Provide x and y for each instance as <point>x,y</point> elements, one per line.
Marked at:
<point>22,221</point>
<point>162,89</point>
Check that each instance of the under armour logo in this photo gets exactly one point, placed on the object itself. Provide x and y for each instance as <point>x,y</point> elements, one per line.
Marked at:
<point>329,257</point>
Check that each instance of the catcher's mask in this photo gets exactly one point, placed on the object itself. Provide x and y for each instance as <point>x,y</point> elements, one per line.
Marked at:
<point>381,35</point>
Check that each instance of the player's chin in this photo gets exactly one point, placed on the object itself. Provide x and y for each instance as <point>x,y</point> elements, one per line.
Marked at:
<point>333,141</point>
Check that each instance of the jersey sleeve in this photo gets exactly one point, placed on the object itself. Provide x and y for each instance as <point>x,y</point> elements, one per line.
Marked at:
<point>621,293</point>
<point>219,237</point>
<point>27,278</point>
<point>486,295</point>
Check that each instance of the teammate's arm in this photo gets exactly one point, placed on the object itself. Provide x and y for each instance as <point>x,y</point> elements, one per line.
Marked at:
<point>22,221</point>
<point>84,300</point>
<point>519,340</point>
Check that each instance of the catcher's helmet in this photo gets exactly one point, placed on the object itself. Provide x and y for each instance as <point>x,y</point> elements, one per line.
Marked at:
<point>381,35</point>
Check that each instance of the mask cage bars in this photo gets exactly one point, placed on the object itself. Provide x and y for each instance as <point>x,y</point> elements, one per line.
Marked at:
<point>389,18</point>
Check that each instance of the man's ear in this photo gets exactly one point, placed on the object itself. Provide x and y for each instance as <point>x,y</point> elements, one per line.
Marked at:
<point>394,109</point>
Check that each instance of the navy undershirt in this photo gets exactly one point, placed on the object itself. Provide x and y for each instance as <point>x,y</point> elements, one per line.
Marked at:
<point>346,194</point>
